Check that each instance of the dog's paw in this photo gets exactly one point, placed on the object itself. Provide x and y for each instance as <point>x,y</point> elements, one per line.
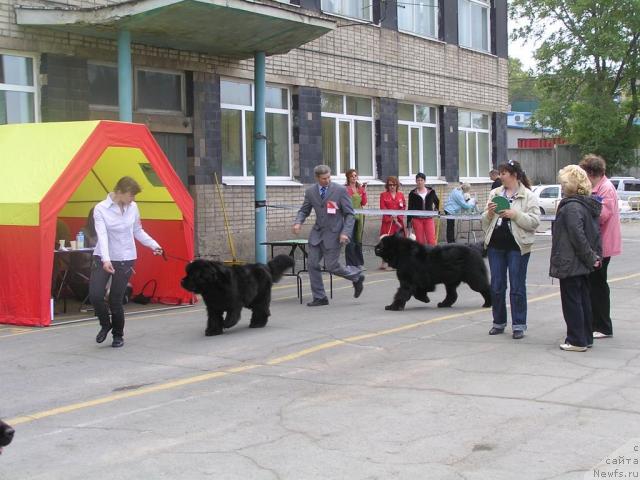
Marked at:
<point>486,305</point>
<point>444,305</point>
<point>395,308</point>
<point>424,298</point>
<point>257,324</point>
<point>212,332</point>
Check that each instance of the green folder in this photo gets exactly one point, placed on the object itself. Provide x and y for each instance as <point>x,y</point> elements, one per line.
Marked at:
<point>501,203</point>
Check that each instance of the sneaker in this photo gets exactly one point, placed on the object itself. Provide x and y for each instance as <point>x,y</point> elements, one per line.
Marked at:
<point>567,347</point>
<point>601,335</point>
<point>358,286</point>
<point>317,302</point>
<point>117,342</point>
<point>102,334</point>
<point>517,334</point>
<point>496,331</point>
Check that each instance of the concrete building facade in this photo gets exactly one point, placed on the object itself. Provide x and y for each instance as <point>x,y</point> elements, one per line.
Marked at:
<point>393,89</point>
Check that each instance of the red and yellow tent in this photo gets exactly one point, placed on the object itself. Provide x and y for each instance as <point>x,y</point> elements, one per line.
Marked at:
<point>61,170</point>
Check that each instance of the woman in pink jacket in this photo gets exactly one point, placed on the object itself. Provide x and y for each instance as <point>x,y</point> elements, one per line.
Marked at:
<point>604,190</point>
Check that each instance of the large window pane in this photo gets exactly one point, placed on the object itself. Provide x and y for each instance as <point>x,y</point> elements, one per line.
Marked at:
<point>483,155</point>
<point>332,103</point>
<point>473,168</point>
<point>403,150</point>
<point>350,8</point>
<point>405,17</point>
<point>429,151</point>
<point>405,112</point>
<point>277,145</point>
<point>103,85</point>
<point>248,143</point>
<point>277,98</point>
<point>425,114</point>
<point>16,107</point>
<point>479,120</point>
<point>462,154</point>
<point>425,14</point>
<point>235,93</point>
<point>345,146</point>
<point>364,149</point>
<point>329,146</point>
<point>231,123</point>
<point>415,150</point>
<point>464,23</point>
<point>159,90</point>
<point>16,70</point>
<point>359,106</point>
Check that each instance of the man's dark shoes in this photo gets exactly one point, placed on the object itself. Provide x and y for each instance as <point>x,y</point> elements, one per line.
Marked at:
<point>317,302</point>
<point>517,334</point>
<point>358,286</point>
<point>102,334</point>
<point>117,342</point>
<point>496,331</point>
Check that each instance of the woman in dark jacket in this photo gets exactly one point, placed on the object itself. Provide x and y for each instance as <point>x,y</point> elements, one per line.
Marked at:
<point>575,252</point>
<point>423,198</point>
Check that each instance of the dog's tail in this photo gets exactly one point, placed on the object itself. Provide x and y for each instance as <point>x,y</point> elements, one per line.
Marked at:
<point>279,265</point>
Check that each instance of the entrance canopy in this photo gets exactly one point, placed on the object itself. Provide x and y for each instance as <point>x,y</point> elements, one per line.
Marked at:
<point>57,171</point>
<point>232,28</point>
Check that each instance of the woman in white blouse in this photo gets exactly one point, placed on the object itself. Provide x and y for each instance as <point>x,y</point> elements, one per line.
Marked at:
<point>117,223</point>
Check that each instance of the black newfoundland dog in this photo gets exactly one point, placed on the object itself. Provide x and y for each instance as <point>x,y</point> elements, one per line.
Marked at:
<point>228,289</point>
<point>6,435</point>
<point>420,268</point>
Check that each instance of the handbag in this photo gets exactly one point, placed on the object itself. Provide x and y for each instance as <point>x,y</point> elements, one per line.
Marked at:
<point>143,299</point>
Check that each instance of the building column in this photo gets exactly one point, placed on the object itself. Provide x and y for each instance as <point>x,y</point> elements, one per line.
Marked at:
<point>387,139</point>
<point>260,157</point>
<point>125,79</point>
<point>449,143</point>
<point>498,138</point>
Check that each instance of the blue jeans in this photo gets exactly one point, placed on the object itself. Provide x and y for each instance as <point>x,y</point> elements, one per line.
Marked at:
<point>501,261</point>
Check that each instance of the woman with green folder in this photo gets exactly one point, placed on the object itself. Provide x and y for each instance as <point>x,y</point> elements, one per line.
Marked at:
<point>509,222</point>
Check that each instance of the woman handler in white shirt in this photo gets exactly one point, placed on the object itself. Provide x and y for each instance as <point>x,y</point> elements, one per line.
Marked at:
<point>117,222</point>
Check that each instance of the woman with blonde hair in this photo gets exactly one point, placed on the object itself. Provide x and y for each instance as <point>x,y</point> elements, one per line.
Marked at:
<point>575,253</point>
<point>358,193</point>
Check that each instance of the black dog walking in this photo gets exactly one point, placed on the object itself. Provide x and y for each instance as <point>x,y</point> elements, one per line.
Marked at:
<point>420,268</point>
<point>228,289</point>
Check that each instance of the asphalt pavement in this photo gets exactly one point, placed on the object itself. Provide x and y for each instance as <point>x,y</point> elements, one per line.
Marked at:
<point>346,391</point>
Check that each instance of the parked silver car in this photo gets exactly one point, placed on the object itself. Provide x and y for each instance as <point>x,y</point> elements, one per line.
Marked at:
<point>627,187</point>
<point>550,195</point>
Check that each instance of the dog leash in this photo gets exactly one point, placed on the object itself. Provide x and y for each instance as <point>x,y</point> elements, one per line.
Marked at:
<point>167,256</point>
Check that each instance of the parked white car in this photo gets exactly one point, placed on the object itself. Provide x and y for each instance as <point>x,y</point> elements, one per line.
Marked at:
<point>549,197</point>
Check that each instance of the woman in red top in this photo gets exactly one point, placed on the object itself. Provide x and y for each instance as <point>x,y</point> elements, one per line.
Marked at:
<point>358,193</point>
<point>392,199</point>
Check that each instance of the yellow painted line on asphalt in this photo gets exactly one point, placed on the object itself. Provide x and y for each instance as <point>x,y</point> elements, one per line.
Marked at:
<point>275,361</point>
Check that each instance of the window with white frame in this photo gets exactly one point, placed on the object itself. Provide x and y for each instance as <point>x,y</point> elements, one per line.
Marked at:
<point>103,85</point>
<point>237,104</point>
<point>159,90</point>
<point>17,89</point>
<point>473,24</point>
<point>419,17</point>
<point>347,133</point>
<point>474,145</point>
<point>417,140</point>
<point>361,9</point>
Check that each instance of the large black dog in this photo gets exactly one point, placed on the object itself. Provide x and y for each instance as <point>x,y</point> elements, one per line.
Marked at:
<point>6,435</point>
<point>228,289</point>
<point>420,269</point>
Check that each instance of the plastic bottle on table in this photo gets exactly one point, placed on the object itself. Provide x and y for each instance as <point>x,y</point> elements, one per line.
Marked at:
<point>80,240</point>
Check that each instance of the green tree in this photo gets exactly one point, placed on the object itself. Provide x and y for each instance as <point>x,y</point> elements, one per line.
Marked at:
<point>522,84</point>
<point>588,71</point>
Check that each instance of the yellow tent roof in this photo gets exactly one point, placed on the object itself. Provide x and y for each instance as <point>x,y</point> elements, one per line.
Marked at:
<point>34,156</point>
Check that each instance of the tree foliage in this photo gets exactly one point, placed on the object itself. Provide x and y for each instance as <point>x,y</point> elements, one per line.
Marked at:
<point>588,67</point>
<point>522,84</point>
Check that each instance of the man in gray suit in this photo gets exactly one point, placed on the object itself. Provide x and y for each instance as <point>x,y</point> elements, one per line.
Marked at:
<point>334,224</point>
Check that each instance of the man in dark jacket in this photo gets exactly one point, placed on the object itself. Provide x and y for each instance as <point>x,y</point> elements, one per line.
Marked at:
<point>575,252</point>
